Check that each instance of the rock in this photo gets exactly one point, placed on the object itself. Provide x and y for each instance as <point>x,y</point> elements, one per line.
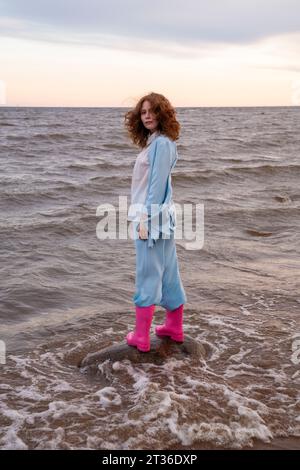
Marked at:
<point>161,349</point>
<point>283,198</point>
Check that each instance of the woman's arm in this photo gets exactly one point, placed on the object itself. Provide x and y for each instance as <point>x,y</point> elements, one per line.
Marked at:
<point>159,175</point>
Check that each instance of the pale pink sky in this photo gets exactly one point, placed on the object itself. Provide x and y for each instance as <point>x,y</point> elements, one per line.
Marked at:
<point>81,59</point>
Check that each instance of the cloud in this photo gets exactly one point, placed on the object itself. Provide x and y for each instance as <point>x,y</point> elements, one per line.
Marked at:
<point>183,23</point>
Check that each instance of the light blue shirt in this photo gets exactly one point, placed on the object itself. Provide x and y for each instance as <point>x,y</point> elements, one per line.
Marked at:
<point>139,184</point>
<point>158,208</point>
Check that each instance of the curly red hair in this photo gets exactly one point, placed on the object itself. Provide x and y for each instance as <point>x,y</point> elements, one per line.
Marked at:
<point>164,113</point>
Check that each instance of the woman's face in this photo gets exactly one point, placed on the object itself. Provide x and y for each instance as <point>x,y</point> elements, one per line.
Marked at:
<point>148,117</point>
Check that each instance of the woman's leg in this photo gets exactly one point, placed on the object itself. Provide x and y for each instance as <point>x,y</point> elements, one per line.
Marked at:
<point>173,293</point>
<point>173,325</point>
<point>149,273</point>
<point>140,337</point>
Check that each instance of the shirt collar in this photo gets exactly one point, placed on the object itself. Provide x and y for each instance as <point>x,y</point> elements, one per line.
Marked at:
<point>152,136</point>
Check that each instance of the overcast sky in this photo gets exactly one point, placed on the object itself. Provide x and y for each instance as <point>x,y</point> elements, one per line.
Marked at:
<point>109,52</point>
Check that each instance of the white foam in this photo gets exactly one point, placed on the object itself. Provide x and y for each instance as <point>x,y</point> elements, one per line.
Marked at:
<point>240,355</point>
<point>108,396</point>
<point>11,441</point>
<point>62,386</point>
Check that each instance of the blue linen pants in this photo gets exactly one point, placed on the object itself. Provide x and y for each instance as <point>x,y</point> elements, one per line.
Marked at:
<point>158,279</point>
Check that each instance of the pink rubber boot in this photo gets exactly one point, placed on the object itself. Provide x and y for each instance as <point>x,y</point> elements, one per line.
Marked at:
<point>140,337</point>
<point>173,325</point>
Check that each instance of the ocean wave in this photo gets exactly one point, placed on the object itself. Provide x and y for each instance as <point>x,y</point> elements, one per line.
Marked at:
<point>6,124</point>
<point>242,171</point>
<point>265,169</point>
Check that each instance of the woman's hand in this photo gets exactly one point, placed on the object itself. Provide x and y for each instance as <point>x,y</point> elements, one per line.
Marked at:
<point>143,231</point>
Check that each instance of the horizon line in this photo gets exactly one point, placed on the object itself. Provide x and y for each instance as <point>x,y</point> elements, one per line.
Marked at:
<point>130,107</point>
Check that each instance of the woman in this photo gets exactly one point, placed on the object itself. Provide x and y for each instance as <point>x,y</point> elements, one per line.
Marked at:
<point>152,125</point>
